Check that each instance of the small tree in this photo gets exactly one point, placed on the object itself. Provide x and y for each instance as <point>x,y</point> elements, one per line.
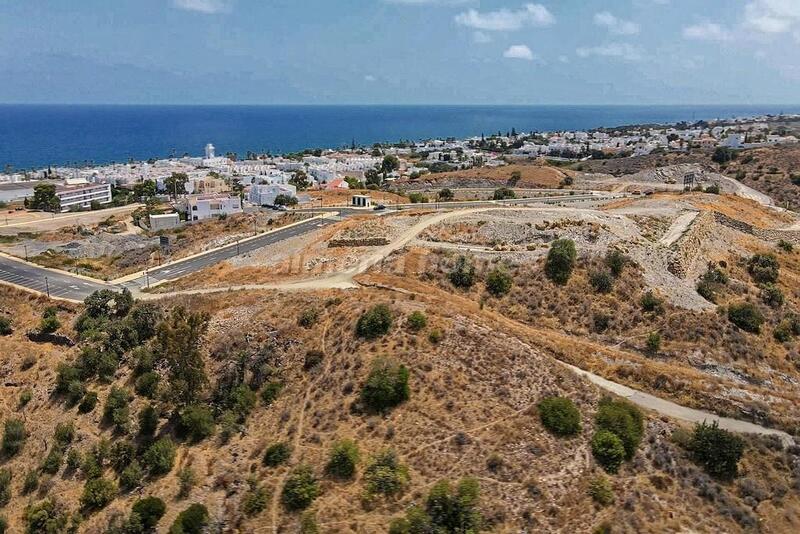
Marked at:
<point>498,282</point>
<point>150,511</point>
<point>560,260</point>
<point>375,322</point>
<point>14,436</point>
<point>446,195</point>
<point>746,316</point>
<point>463,273</point>
<point>300,489</point>
<point>504,193</point>
<point>277,454</point>
<point>160,456</point>
<point>608,450</point>
<point>97,493</point>
<point>191,521</point>
<point>197,423</point>
<point>386,386</point>
<point>716,450</point>
<point>560,416</point>
<point>417,320</point>
<point>117,409</point>
<point>764,268</point>
<point>343,460</point>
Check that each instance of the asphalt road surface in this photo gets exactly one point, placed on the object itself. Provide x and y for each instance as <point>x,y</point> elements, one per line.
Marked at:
<point>55,284</point>
<point>194,264</point>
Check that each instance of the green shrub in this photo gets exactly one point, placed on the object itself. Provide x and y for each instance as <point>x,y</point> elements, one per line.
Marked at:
<point>191,521</point>
<point>716,450</point>
<point>503,193</point>
<point>300,490</point>
<point>5,486</point>
<point>616,262</point>
<point>277,454</point>
<point>49,322</point>
<point>463,273</point>
<point>6,328</point>
<point>132,476</point>
<point>312,359</point>
<point>785,246</point>
<point>624,420</point>
<point>653,342</point>
<point>25,396</point>
<point>31,481</point>
<point>560,260</point>
<point>343,460</point>
<point>601,491</point>
<point>143,319</point>
<point>150,511</point>
<point>435,336</point>
<point>196,423</point>
<point>651,303</point>
<point>308,317</point>
<point>608,450</point>
<point>186,481</point>
<point>117,410</point>
<point>254,501</point>
<point>308,523</point>
<point>98,493</point>
<point>498,282</point>
<point>147,384</point>
<point>52,462</point>
<point>14,436</point>
<point>74,459</point>
<point>712,189</point>
<point>45,517</point>
<point>88,402</point>
<point>148,421</point>
<point>3,524</point>
<point>271,391</point>
<point>144,361</point>
<point>160,456</point>
<point>417,321</point>
<point>601,281</point>
<point>746,316</point>
<point>772,295</point>
<point>64,433</point>
<point>122,453</point>
<point>764,268</point>
<point>711,282</point>
<point>454,511</point>
<point>560,416</point>
<point>375,322</point>
<point>385,474</point>
<point>386,385</point>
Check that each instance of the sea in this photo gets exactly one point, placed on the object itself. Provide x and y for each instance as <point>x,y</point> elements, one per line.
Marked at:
<point>36,136</point>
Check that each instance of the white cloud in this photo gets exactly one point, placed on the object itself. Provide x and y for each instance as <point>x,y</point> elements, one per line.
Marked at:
<point>518,52</point>
<point>706,31</point>
<point>772,16</point>
<point>535,15</point>
<point>615,25</point>
<point>624,51</point>
<point>369,78</point>
<point>481,37</point>
<point>208,7</point>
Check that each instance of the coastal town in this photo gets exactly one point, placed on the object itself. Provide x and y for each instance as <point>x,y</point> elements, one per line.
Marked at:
<point>213,185</point>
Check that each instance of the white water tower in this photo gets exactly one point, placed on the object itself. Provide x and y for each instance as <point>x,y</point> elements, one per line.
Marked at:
<point>209,151</point>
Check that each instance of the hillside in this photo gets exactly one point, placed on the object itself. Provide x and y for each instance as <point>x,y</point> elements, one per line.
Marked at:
<point>298,369</point>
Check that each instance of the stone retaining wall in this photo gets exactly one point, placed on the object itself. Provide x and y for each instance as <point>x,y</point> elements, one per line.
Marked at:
<point>364,242</point>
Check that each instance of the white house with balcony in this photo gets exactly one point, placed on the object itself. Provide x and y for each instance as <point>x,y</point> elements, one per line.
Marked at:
<point>202,207</point>
<point>81,196</point>
<point>265,194</point>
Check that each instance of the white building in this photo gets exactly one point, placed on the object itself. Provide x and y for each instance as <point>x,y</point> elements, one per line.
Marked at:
<point>164,221</point>
<point>265,195</point>
<point>81,196</point>
<point>203,207</point>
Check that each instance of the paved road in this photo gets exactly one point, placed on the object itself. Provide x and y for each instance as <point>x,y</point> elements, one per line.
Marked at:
<point>58,285</point>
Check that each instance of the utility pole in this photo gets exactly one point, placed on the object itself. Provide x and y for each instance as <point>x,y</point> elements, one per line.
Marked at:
<point>147,278</point>
<point>26,252</point>
<point>47,286</point>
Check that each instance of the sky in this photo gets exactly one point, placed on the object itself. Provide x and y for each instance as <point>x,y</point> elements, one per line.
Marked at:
<point>400,51</point>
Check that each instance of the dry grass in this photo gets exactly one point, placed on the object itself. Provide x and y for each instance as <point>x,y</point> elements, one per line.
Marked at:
<point>531,176</point>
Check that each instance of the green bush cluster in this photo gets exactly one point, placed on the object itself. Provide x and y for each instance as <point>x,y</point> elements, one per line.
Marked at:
<point>343,460</point>
<point>49,322</point>
<point>601,281</point>
<point>746,316</point>
<point>764,268</point>
<point>196,423</point>
<point>498,282</point>
<point>385,474</point>
<point>386,386</point>
<point>560,260</point>
<point>608,450</point>
<point>14,436</point>
<point>601,491</point>
<point>447,509</point>
<point>254,501</point>
<point>192,520</point>
<point>624,420</point>
<point>277,454</point>
<point>716,450</point>
<point>560,416</point>
<point>416,321</point>
<point>462,275</point>
<point>503,193</point>
<point>160,456</point>
<point>375,322</point>
<point>711,283</point>
<point>98,493</point>
<point>301,489</point>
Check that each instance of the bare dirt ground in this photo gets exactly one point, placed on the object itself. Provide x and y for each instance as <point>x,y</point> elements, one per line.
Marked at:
<point>343,197</point>
<point>532,176</point>
<point>13,222</point>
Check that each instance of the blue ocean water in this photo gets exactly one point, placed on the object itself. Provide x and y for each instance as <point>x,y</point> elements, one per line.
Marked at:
<point>40,135</point>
